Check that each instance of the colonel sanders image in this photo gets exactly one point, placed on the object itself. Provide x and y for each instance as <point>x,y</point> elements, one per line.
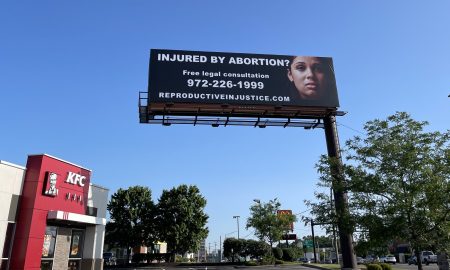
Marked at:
<point>52,190</point>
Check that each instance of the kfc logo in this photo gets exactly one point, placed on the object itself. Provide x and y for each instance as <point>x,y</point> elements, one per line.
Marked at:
<point>75,179</point>
<point>51,189</point>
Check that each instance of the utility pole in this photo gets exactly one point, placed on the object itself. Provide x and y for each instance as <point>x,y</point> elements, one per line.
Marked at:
<point>220,247</point>
<point>237,221</point>
<point>340,195</point>
<point>209,251</point>
<point>313,241</point>
<point>215,251</point>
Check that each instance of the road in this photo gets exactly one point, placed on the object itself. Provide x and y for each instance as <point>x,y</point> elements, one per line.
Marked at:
<point>268,267</point>
<point>432,266</point>
<point>224,267</point>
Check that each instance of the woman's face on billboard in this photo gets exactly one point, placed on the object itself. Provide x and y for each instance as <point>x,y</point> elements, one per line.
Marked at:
<point>308,76</point>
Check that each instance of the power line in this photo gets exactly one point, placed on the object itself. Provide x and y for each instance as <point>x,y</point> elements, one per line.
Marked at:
<point>355,130</point>
<point>245,237</point>
<point>309,209</point>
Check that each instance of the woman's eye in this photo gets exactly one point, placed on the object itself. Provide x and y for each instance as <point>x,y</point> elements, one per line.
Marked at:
<point>300,67</point>
<point>318,68</point>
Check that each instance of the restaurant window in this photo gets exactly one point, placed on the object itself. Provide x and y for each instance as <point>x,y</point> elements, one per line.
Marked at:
<point>76,250</point>
<point>76,245</point>
<point>48,248</point>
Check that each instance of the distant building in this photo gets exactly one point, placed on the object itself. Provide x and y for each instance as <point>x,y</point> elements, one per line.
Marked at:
<point>202,254</point>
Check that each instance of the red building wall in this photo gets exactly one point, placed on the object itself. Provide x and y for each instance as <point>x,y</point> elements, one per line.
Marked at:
<point>34,206</point>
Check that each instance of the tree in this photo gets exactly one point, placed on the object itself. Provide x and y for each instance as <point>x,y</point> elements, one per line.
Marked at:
<point>131,212</point>
<point>233,248</point>
<point>268,225</point>
<point>398,179</point>
<point>256,249</point>
<point>181,219</point>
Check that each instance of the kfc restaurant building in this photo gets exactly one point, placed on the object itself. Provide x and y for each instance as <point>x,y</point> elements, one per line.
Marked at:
<point>51,216</point>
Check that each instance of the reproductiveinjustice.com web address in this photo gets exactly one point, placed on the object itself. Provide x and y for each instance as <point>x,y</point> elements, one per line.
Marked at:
<point>225,97</point>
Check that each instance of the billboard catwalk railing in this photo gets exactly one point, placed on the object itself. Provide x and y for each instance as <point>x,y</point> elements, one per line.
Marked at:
<point>227,117</point>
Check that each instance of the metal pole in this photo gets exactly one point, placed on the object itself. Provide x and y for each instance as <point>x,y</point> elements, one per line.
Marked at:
<point>220,247</point>
<point>313,241</point>
<point>238,225</point>
<point>340,195</point>
<point>237,221</point>
<point>335,245</point>
<point>215,250</point>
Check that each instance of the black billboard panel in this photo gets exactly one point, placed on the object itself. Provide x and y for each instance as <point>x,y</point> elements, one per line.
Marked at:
<point>290,236</point>
<point>192,77</point>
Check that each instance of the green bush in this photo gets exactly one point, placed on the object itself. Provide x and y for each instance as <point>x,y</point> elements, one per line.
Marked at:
<point>289,254</point>
<point>267,259</point>
<point>279,262</point>
<point>251,263</point>
<point>298,252</point>
<point>233,248</point>
<point>386,266</point>
<point>373,266</point>
<point>277,253</point>
<point>181,259</point>
<point>255,249</point>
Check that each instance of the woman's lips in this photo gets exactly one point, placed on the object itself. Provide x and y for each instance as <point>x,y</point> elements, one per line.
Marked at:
<point>311,86</point>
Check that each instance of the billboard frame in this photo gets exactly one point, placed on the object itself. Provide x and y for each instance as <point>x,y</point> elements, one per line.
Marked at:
<point>232,115</point>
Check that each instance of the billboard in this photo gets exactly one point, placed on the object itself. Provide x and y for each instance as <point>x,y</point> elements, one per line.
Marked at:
<point>204,78</point>
<point>289,236</point>
<point>286,212</point>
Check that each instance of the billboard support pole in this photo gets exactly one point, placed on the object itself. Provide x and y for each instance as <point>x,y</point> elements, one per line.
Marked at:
<point>340,195</point>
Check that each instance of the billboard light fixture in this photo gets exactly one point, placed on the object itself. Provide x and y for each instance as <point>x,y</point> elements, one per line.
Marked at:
<point>216,124</point>
<point>233,121</point>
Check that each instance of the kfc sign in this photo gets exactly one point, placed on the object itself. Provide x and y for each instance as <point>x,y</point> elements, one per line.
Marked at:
<point>50,185</point>
<point>75,179</point>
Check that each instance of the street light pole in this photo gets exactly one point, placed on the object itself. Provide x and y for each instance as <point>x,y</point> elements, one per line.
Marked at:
<point>237,221</point>
<point>220,247</point>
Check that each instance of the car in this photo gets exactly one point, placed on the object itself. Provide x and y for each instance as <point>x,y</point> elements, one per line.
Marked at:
<point>388,259</point>
<point>426,257</point>
<point>109,258</point>
<point>360,260</point>
<point>304,260</point>
<point>372,259</point>
<point>412,260</point>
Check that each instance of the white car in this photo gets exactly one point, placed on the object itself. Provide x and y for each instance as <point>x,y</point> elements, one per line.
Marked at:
<point>372,259</point>
<point>388,259</point>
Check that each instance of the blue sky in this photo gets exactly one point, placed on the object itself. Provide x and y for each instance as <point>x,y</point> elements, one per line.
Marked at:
<point>70,73</point>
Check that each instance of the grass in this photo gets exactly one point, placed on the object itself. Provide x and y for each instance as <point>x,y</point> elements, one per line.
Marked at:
<point>328,266</point>
<point>337,266</point>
